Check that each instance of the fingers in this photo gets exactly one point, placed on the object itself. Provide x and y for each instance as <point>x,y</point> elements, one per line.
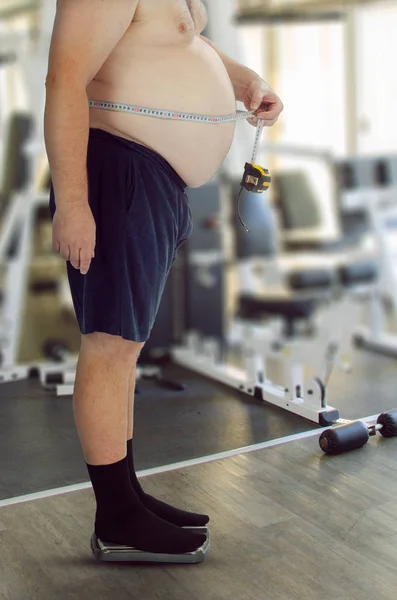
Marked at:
<point>75,257</point>
<point>86,256</point>
<point>61,249</point>
<point>270,112</point>
<point>79,258</point>
<point>64,251</point>
<point>258,100</point>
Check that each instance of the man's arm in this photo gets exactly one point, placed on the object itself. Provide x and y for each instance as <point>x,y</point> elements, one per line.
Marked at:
<point>85,32</point>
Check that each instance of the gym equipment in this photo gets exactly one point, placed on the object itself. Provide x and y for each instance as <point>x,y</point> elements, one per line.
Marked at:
<point>355,434</point>
<point>21,201</point>
<point>300,394</point>
<point>19,204</point>
<point>368,203</point>
<point>107,552</point>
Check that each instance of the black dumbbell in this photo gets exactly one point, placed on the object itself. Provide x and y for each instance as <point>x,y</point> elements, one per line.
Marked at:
<point>355,434</point>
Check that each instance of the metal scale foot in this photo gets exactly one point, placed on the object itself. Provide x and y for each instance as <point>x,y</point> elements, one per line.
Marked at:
<point>109,552</point>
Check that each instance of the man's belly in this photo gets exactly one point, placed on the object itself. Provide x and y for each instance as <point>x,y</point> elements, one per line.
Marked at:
<point>191,80</point>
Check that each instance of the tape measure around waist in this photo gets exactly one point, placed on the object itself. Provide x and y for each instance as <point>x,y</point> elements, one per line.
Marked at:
<point>171,114</point>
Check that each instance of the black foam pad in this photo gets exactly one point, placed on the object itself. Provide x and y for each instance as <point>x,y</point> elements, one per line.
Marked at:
<point>310,279</point>
<point>360,272</point>
<point>251,307</point>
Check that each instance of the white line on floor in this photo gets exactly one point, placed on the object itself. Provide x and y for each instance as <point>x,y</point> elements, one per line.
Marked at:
<point>175,466</point>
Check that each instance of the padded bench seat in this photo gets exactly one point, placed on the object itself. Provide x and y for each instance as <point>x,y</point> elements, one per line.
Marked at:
<point>312,279</point>
<point>254,307</point>
<point>288,306</point>
<point>358,272</point>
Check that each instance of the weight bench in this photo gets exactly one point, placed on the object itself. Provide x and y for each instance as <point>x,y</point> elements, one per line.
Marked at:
<point>320,347</point>
<point>311,284</point>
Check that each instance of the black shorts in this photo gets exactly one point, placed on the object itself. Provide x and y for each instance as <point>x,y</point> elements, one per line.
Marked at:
<point>142,217</point>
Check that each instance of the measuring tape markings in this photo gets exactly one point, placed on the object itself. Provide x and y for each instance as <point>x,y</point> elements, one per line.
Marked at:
<point>171,114</point>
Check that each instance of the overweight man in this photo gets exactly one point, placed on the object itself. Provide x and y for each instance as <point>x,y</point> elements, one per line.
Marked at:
<point>120,212</point>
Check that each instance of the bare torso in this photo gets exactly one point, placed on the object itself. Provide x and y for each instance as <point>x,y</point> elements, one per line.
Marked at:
<point>163,63</point>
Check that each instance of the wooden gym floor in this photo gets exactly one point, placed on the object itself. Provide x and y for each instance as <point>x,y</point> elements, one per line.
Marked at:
<point>287,523</point>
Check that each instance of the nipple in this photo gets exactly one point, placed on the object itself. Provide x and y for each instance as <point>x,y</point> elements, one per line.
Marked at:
<point>182,27</point>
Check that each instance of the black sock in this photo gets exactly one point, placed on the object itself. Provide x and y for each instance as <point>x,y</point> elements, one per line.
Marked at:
<point>161,509</point>
<point>122,519</point>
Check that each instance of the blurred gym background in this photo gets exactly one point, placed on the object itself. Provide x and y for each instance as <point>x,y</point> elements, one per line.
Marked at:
<point>331,63</point>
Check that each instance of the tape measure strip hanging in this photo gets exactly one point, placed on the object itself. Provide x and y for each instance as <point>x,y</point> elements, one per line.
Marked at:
<point>255,178</point>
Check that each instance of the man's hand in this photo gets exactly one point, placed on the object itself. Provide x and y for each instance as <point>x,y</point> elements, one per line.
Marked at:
<point>73,235</point>
<point>260,97</point>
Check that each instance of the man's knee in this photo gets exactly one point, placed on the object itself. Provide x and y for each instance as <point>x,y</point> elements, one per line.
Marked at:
<point>111,347</point>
